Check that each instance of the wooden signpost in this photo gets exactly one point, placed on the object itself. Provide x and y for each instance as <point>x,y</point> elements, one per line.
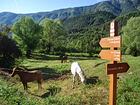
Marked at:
<point>114,55</point>
<point>110,42</point>
<point>117,68</point>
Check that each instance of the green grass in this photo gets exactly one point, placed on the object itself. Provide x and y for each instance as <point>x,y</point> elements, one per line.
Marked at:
<point>59,91</point>
<point>129,85</point>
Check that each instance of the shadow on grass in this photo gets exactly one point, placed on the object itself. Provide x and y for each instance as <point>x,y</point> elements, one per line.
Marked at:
<point>52,91</point>
<point>93,80</point>
<point>98,64</point>
<point>57,57</point>
<point>45,57</point>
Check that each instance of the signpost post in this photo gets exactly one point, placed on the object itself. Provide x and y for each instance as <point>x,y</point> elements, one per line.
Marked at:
<point>114,55</point>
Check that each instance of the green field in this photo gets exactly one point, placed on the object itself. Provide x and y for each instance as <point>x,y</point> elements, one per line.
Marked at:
<point>58,84</point>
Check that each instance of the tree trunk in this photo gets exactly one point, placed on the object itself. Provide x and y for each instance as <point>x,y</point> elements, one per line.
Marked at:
<point>28,53</point>
<point>49,48</point>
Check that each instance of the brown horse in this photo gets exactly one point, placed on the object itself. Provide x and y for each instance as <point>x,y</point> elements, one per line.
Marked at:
<point>29,76</point>
<point>63,58</point>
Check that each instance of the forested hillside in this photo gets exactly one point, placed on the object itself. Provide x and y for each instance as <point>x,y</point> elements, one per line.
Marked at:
<point>79,23</point>
<point>115,7</point>
<point>85,31</point>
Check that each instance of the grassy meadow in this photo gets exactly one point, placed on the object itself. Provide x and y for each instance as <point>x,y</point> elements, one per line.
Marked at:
<point>57,85</point>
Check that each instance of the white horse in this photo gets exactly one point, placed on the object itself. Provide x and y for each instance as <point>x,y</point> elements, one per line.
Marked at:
<point>76,70</point>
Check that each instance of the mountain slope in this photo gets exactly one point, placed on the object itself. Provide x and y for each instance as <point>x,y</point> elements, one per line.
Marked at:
<point>115,7</point>
<point>75,24</point>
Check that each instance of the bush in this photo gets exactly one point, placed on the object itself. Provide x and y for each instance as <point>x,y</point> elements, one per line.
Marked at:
<point>8,52</point>
<point>131,37</point>
<point>129,92</point>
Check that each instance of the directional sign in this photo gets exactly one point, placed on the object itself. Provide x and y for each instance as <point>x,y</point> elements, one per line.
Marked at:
<point>110,42</point>
<point>117,68</point>
<point>113,55</point>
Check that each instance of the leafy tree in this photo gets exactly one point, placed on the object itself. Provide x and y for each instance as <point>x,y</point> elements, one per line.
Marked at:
<point>27,33</point>
<point>52,35</point>
<point>131,36</point>
<point>5,30</point>
<point>8,51</point>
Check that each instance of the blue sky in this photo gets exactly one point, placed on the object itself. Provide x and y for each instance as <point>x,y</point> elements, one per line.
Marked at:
<point>32,6</point>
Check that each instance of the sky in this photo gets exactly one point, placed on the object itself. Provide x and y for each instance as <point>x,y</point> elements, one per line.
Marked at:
<point>33,6</point>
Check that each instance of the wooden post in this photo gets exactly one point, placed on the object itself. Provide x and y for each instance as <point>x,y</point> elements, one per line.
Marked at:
<point>112,89</point>
<point>113,77</point>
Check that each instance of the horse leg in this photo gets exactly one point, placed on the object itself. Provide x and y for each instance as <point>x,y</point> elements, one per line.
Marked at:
<point>39,84</point>
<point>62,61</point>
<point>25,86</point>
<point>77,79</point>
<point>73,81</point>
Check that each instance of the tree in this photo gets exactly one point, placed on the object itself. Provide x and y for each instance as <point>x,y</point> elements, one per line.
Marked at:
<point>52,35</point>
<point>28,33</point>
<point>5,30</point>
<point>8,51</point>
<point>131,36</point>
